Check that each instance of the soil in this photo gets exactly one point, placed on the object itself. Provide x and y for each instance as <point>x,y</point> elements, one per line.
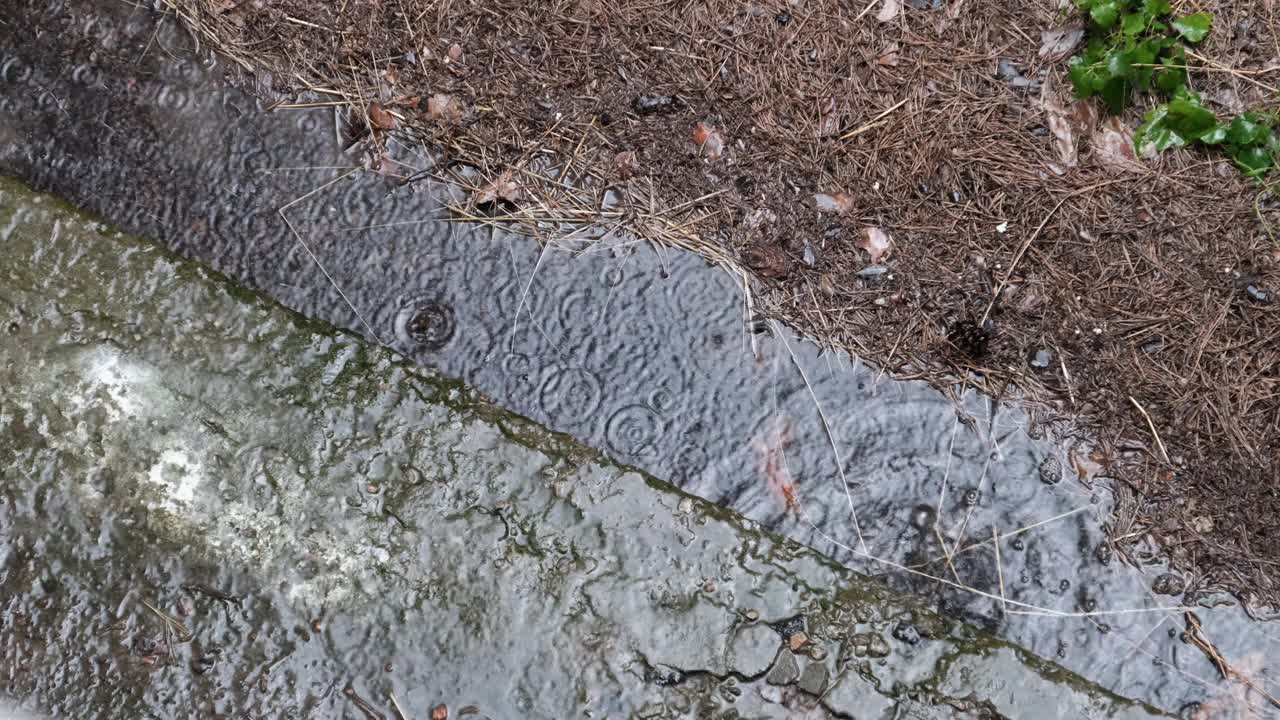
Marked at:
<point>913,184</point>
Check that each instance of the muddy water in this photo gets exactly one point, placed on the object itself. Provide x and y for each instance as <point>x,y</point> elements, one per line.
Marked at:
<point>640,352</point>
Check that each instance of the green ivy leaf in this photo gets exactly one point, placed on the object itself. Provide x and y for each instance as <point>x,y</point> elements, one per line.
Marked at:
<point>1155,132</point>
<point>1192,28</point>
<point>1172,75</point>
<point>1105,13</point>
<point>1133,24</point>
<point>1118,64</point>
<point>1215,136</point>
<point>1254,161</point>
<point>1189,119</point>
<point>1151,9</point>
<point>1115,93</point>
<point>1083,77</point>
<point>1246,129</point>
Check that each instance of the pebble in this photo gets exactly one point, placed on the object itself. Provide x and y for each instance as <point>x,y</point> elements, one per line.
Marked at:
<point>752,615</point>
<point>797,641</point>
<point>814,679</point>
<point>907,633</point>
<point>666,675</point>
<point>685,507</point>
<point>1040,359</point>
<point>754,649</point>
<point>1168,584</point>
<point>785,669</point>
<point>440,712</point>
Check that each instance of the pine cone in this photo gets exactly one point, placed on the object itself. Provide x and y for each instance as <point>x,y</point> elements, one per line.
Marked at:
<point>968,339</point>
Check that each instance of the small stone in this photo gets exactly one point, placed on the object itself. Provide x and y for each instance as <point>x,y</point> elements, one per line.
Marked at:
<point>440,712</point>
<point>1168,584</point>
<point>752,615</point>
<point>655,104</point>
<point>870,645</point>
<point>650,711</point>
<point>785,669</point>
<point>809,256</point>
<point>814,679</point>
<point>817,652</point>
<point>754,650</point>
<point>1040,359</point>
<point>709,587</point>
<point>907,633</point>
<point>665,675</point>
<point>1051,470</point>
<point>685,506</point>
<point>797,640</point>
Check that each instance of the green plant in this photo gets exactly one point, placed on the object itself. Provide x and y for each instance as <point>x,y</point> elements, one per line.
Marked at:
<point>1137,46</point>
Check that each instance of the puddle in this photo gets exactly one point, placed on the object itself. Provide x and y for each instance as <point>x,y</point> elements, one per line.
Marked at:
<point>641,352</point>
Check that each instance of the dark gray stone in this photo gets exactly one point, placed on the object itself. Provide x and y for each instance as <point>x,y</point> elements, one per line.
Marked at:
<point>814,678</point>
<point>785,669</point>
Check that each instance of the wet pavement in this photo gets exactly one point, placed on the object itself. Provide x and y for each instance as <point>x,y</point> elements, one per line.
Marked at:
<point>641,353</point>
<point>213,506</point>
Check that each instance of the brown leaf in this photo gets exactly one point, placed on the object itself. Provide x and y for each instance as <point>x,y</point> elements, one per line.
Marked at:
<point>379,118</point>
<point>1113,146</point>
<point>876,242</point>
<point>708,140</point>
<point>888,10</point>
<point>1058,118</point>
<point>767,260</point>
<point>502,188</point>
<point>838,203</point>
<point>1057,44</point>
<point>444,108</point>
<point>889,57</point>
<point>769,446</point>
<point>455,53</point>
<point>625,163</point>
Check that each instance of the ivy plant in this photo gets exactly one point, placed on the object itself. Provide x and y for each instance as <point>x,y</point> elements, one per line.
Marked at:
<point>1138,46</point>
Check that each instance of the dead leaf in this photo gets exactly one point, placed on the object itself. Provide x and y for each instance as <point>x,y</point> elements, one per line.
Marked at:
<point>1057,44</point>
<point>769,447</point>
<point>876,242</point>
<point>625,163</point>
<point>1113,146</point>
<point>888,10</point>
<point>455,53</point>
<point>379,118</point>
<point>709,141</point>
<point>1084,116</point>
<point>502,188</point>
<point>889,57</point>
<point>837,203</point>
<point>444,108</point>
<point>767,260</point>
<point>1058,118</point>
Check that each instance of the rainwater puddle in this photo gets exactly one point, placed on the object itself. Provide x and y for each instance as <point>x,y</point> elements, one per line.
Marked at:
<point>638,351</point>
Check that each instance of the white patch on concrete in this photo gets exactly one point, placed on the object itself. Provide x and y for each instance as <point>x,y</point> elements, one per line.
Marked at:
<point>177,476</point>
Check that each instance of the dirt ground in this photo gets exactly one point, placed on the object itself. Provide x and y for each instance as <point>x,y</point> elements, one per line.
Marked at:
<point>893,177</point>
